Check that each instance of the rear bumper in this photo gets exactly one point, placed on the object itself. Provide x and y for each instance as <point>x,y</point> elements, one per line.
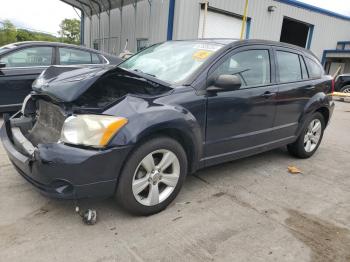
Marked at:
<point>66,172</point>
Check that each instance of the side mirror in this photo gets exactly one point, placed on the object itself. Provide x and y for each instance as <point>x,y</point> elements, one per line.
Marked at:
<point>2,65</point>
<point>226,83</point>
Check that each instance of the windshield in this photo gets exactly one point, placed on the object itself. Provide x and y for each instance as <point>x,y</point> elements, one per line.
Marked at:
<point>171,62</point>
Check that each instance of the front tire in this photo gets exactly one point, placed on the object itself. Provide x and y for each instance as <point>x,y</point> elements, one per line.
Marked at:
<point>152,176</point>
<point>310,138</point>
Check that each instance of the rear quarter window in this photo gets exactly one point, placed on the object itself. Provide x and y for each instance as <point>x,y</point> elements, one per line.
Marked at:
<point>315,70</point>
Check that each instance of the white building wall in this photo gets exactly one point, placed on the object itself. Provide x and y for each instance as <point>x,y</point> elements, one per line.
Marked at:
<point>265,25</point>
<point>128,23</point>
<point>143,22</point>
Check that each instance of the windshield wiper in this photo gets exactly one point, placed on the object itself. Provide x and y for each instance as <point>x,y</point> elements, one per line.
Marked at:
<point>140,71</point>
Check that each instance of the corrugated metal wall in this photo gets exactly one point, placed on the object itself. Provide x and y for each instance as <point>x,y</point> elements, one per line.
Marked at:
<point>151,23</point>
<point>265,25</point>
<point>131,22</point>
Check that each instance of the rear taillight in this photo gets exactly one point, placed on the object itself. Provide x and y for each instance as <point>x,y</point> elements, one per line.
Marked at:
<point>333,85</point>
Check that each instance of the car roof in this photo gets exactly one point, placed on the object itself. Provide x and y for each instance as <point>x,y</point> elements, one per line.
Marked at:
<point>273,43</point>
<point>40,43</point>
<point>232,42</point>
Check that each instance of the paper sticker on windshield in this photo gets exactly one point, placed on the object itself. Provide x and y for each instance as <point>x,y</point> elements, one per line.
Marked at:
<point>209,47</point>
<point>201,54</point>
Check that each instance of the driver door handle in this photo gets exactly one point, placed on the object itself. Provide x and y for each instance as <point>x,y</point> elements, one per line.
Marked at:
<point>268,94</point>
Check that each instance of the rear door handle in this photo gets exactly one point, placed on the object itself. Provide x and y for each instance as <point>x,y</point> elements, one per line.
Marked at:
<point>268,94</point>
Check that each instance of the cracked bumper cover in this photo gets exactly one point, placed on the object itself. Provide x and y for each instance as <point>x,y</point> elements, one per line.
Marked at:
<point>66,172</point>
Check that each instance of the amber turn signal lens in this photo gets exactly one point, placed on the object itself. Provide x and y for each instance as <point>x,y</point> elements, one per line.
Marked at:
<point>112,129</point>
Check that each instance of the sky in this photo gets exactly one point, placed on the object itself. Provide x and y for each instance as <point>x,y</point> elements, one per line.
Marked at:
<point>338,6</point>
<point>46,15</point>
<point>40,15</point>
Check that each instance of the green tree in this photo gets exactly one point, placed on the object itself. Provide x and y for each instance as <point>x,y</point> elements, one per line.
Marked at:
<point>26,35</point>
<point>70,31</point>
<point>23,35</point>
<point>7,33</point>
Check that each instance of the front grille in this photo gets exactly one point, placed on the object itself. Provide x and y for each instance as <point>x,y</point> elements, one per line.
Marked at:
<point>48,125</point>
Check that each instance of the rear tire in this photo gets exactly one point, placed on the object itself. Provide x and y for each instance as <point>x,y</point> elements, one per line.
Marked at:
<point>152,176</point>
<point>310,137</point>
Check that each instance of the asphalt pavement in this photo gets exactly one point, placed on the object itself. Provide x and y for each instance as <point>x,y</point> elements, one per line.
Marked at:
<point>246,210</point>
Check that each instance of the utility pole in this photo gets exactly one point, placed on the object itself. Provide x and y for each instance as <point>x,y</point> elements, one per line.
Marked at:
<point>244,20</point>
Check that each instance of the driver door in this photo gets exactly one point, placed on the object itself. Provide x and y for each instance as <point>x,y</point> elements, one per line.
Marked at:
<point>240,122</point>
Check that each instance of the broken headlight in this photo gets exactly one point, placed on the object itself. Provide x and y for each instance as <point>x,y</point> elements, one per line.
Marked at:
<point>91,130</point>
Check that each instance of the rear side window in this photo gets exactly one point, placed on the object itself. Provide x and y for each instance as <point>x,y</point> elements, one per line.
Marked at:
<point>252,66</point>
<point>288,67</point>
<point>69,56</point>
<point>314,68</point>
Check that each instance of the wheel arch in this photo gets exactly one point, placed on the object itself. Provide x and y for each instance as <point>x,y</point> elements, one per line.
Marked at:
<point>325,113</point>
<point>191,147</point>
<point>175,122</point>
<point>318,103</point>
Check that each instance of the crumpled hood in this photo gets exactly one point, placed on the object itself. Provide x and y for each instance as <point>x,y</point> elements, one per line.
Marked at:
<point>67,83</point>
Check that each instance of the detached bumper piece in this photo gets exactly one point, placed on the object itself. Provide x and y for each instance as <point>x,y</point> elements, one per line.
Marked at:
<point>62,171</point>
<point>342,96</point>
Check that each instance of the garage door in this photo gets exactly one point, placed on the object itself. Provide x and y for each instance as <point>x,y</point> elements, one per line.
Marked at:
<point>219,25</point>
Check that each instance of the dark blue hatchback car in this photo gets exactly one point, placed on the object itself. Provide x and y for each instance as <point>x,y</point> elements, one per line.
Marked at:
<point>136,130</point>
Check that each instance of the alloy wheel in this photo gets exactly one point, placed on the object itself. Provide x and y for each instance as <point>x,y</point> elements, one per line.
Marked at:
<point>313,135</point>
<point>156,177</point>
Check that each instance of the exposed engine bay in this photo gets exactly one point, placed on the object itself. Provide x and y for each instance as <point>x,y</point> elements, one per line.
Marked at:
<point>42,125</point>
<point>116,84</point>
<point>43,113</point>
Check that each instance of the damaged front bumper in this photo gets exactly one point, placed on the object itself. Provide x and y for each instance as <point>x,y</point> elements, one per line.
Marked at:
<point>61,171</point>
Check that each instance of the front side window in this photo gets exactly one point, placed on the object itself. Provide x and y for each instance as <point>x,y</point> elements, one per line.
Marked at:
<point>289,69</point>
<point>315,70</point>
<point>69,56</point>
<point>252,66</point>
<point>28,57</point>
<point>171,62</point>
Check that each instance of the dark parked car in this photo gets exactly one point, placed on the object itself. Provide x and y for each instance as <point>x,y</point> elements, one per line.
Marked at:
<point>342,83</point>
<point>21,63</point>
<point>136,130</point>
